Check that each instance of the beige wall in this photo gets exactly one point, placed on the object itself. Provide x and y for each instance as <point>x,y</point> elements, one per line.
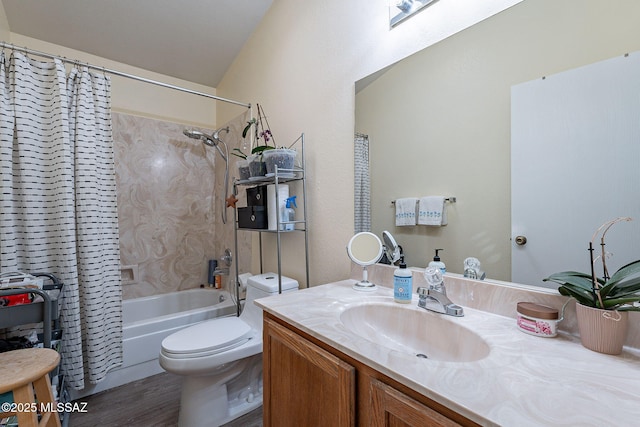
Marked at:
<point>134,97</point>
<point>166,260</point>
<point>444,115</point>
<point>5,33</point>
<point>301,64</point>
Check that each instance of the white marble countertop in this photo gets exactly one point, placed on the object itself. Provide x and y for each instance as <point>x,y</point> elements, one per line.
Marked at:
<point>524,381</point>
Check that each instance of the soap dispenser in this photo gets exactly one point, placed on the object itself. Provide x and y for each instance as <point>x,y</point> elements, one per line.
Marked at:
<point>402,283</point>
<point>437,263</point>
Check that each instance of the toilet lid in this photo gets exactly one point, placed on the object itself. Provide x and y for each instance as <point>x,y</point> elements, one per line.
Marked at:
<point>207,338</point>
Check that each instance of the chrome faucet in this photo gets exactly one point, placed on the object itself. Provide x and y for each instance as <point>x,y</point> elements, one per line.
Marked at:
<point>434,298</point>
<point>472,269</point>
<point>430,299</point>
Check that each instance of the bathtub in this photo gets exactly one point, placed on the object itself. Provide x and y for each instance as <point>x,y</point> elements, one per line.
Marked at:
<point>148,320</point>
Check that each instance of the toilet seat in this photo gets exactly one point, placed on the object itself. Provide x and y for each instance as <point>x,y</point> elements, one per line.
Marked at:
<point>207,338</point>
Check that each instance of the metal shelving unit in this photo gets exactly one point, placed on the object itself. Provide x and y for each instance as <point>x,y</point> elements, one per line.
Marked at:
<point>281,176</point>
<point>46,312</point>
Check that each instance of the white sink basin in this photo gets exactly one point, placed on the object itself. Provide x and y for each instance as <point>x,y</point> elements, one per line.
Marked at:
<point>415,331</point>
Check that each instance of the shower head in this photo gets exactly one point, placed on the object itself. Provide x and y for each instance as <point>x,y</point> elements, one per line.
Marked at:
<point>195,134</point>
<point>211,141</point>
<point>216,134</point>
<point>215,141</point>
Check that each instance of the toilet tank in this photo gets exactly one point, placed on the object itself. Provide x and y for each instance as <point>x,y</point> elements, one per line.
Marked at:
<point>264,285</point>
<point>261,286</point>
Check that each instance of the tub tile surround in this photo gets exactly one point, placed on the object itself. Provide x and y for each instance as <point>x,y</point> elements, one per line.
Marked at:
<point>168,190</point>
<point>165,204</point>
<point>525,380</point>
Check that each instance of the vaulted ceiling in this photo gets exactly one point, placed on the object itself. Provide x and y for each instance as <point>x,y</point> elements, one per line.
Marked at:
<point>194,40</point>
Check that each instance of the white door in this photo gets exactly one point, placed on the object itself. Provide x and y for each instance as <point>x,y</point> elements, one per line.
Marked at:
<point>575,164</point>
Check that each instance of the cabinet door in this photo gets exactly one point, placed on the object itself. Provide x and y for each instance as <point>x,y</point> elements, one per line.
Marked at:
<point>304,385</point>
<point>392,408</point>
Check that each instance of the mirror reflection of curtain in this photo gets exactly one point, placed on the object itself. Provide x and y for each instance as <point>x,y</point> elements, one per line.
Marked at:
<point>362,184</point>
<point>58,211</point>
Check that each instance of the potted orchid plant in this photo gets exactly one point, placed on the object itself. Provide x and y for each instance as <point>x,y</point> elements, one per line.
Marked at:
<point>264,140</point>
<point>603,302</point>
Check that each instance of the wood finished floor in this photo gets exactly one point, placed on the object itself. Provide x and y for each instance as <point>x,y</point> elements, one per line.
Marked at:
<point>150,402</point>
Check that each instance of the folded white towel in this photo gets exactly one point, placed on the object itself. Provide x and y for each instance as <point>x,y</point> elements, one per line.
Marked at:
<point>406,211</point>
<point>431,211</point>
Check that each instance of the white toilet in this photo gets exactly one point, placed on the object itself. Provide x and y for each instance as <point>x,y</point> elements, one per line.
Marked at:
<point>221,360</point>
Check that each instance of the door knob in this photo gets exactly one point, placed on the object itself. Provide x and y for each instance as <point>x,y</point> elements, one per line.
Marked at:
<point>521,240</point>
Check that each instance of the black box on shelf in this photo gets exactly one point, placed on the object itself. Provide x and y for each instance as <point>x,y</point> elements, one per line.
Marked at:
<point>252,217</point>
<point>257,196</point>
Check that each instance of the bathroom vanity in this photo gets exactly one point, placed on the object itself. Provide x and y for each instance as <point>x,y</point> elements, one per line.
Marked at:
<point>336,356</point>
<point>307,382</point>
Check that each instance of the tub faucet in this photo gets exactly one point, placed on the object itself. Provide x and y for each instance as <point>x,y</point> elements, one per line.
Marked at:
<point>434,297</point>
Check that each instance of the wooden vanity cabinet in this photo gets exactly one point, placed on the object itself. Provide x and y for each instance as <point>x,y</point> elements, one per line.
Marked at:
<point>304,385</point>
<point>309,383</point>
<point>391,407</point>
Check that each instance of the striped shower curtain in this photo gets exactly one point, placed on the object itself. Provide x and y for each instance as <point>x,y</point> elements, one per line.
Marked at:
<point>362,190</point>
<point>58,209</point>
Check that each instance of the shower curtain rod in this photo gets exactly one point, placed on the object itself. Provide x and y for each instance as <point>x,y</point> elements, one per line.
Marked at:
<point>119,73</point>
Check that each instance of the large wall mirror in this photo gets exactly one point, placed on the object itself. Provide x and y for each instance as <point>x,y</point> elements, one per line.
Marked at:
<point>439,123</point>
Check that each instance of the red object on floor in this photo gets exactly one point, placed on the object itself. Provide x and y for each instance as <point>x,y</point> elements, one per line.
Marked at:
<point>8,300</point>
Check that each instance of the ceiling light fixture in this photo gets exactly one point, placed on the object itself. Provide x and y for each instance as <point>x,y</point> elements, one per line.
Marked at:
<point>407,8</point>
<point>405,5</point>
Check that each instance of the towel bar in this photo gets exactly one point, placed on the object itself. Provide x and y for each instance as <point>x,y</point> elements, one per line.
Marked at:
<point>450,199</point>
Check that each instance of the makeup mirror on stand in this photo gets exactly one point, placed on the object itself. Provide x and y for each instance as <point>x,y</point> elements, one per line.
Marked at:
<point>364,249</point>
<point>392,250</point>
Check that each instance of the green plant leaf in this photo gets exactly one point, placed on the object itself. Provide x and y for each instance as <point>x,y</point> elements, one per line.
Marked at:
<point>625,271</point>
<point>629,308</point>
<point>575,278</point>
<point>238,153</point>
<point>584,297</point>
<point>625,281</point>
<point>259,149</point>
<point>577,285</point>
<point>624,288</point>
<point>247,127</point>
<point>612,303</point>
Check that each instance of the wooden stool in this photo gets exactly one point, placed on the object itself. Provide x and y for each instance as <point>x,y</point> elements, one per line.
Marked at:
<point>26,371</point>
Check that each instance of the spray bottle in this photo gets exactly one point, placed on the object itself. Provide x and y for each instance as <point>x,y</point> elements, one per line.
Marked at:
<point>289,213</point>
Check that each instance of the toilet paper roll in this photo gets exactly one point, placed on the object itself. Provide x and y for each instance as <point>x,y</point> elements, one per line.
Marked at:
<point>242,278</point>
<point>272,210</point>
